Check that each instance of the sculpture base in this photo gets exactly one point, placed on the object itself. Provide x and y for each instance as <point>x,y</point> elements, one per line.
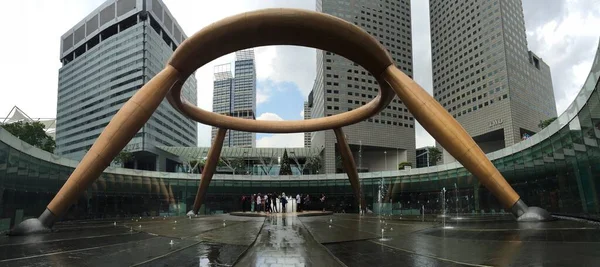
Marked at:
<point>43,224</point>
<point>190,213</point>
<point>530,214</point>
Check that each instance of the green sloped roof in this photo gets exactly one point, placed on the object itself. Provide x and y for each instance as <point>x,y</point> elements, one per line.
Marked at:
<point>235,152</point>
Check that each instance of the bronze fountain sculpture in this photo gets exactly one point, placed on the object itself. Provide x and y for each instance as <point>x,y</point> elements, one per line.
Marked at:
<point>279,27</point>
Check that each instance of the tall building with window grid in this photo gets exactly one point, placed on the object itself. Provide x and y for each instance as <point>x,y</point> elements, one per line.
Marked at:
<point>106,58</point>
<point>306,114</point>
<point>341,85</point>
<point>484,74</point>
<point>236,96</point>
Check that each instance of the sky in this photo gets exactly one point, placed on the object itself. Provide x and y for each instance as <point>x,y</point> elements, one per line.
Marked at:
<point>564,33</point>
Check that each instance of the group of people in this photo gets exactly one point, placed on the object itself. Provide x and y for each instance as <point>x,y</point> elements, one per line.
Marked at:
<point>268,202</point>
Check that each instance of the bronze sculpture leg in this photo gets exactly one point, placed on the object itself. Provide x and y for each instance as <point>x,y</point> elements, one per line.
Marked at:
<point>209,169</point>
<point>123,126</point>
<point>350,167</point>
<point>451,135</point>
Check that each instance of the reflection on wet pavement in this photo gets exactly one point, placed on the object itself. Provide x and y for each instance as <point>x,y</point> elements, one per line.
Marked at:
<point>284,241</point>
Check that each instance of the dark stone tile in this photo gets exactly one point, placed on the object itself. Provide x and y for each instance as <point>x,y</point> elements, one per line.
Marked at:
<point>372,254</point>
<point>203,254</point>
<point>35,249</point>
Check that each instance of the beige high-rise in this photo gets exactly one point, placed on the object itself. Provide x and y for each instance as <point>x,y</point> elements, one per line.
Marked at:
<point>484,74</point>
<point>341,85</point>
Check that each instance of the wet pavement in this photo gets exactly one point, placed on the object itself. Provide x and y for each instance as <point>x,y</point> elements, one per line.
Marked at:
<point>287,240</point>
<point>159,241</point>
<point>284,241</point>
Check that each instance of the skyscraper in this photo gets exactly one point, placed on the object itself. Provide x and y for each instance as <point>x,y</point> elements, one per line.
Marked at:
<point>483,73</point>
<point>236,96</point>
<point>341,86</point>
<point>106,58</point>
<point>306,113</point>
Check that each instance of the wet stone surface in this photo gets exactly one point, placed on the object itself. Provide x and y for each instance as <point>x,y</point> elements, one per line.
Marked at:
<point>287,240</point>
<point>284,241</point>
<point>367,253</point>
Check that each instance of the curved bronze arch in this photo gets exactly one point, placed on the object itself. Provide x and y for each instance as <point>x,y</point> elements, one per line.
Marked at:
<point>279,27</point>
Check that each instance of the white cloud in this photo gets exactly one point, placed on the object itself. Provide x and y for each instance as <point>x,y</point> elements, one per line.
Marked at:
<point>423,138</point>
<point>565,44</point>
<point>262,96</point>
<point>281,140</point>
<point>302,114</point>
<point>204,135</point>
<point>31,52</point>
<point>287,64</point>
<point>422,60</point>
<point>268,116</point>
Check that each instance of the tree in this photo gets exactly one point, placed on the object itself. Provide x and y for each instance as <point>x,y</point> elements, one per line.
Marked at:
<point>435,155</point>
<point>285,169</point>
<point>543,124</point>
<point>32,133</point>
<point>197,165</point>
<point>237,164</point>
<point>402,165</point>
<point>123,157</point>
<point>313,164</point>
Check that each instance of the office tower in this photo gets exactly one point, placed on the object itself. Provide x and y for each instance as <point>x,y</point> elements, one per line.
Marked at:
<point>307,117</point>
<point>341,85</point>
<point>483,73</point>
<point>106,58</point>
<point>236,96</point>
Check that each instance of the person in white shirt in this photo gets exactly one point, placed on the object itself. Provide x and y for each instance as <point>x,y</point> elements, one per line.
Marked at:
<point>298,203</point>
<point>265,203</point>
<point>258,202</point>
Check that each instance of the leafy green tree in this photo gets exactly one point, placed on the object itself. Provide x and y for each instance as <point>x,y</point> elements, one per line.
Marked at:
<point>32,133</point>
<point>543,124</point>
<point>123,157</point>
<point>402,165</point>
<point>435,155</point>
<point>286,168</point>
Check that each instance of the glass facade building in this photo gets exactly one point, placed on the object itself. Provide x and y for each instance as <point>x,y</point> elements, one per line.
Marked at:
<point>106,58</point>
<point>235,95</point>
